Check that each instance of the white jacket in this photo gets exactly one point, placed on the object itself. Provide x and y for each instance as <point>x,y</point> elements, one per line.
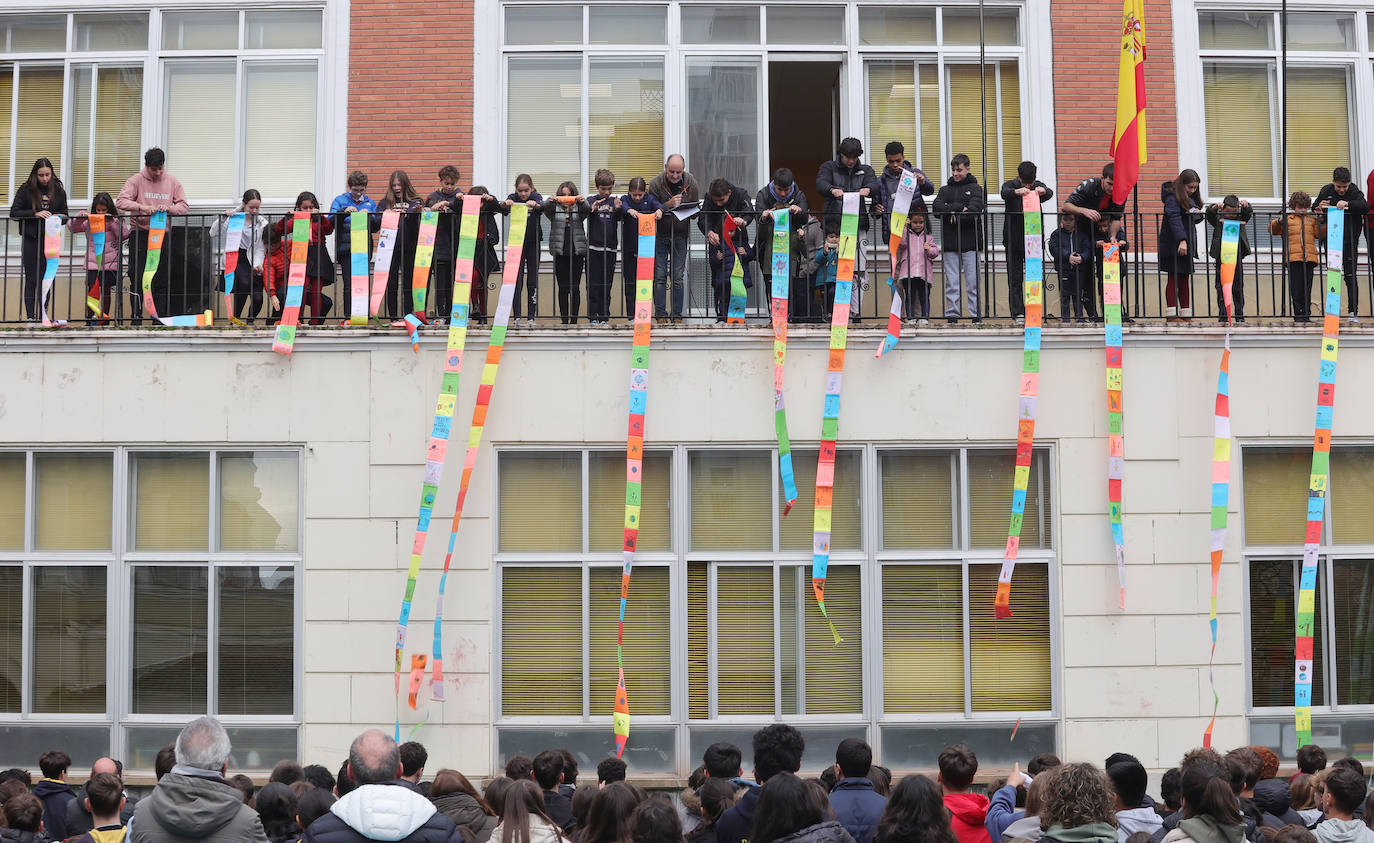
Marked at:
<point>253,242</point>
<point>541,831</point>
<point>383,812</point>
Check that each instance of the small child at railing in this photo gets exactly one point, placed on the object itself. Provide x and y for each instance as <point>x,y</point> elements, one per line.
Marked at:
<point>102,271</point>
<point>527,279</point>
<point>914,267</point>
<point>637,201</point>
<point>567,212</point>
<point>1231,208</point>
<point>319,269</point>
<point>1302,233</point>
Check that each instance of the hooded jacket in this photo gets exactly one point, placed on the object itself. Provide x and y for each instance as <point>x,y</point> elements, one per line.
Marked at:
<point>55,795</point>
<point>1273,797</point>
<point>383,812</point>
<point>960,206</point>
<point>14,835</point>
<point>857,807</point>
<point>190,805</point>
<point>1356,209</point>
<point>968,812</point>
<point>1177,225</point>
<point>1015,229</point>
<point>143,192</point>
<point>1214,217</point>
<point>1002,812</point>
<point>1343,831</point>
<point>466,813</point>
<point>1026,828</point>
<point>734,826</point>
<point>833,174</point>
<point>888,182</point>
<point>1205,829</point>
<point>768,200</point>
<point>1144,819</point>
<point>1086,833</point>
<point>826,832</point>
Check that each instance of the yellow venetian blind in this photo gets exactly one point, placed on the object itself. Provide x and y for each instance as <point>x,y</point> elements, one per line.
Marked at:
<point>1010,658</point>
<point>625,118</point>
<point>1352,495</point>
<point>744,640</point>
<point>648,672</point>
<point>932,157</point>
<point>6,130</point>
<point>698,647</point>
<point>1275,484</point>
<point>990,478</point>
<point>918,499</point>
<point>923,639</point>
<point>892,105</point>
<point>171,501</point>
<point>1009,89</point>
<point>11,636</point>
<point>795,532</point>
<point>69,634</point>
<point>834,672</point>
<point>606,491</point>
<point>731,506</point>
<point>119,124</point>
<point>1240,146</point>
<point>259,501</point>
<point>39,131</point>
<point>12,506</point>
<point>1273,591</point>
<point>75,496</point>
<point>544,120</point>
<point>1319,111</point>
<point>540,501</point>
<point>966,129</point>
<point>541,641</point>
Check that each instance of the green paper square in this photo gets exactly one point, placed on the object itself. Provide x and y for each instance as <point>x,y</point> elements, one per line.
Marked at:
<point>830,429</point>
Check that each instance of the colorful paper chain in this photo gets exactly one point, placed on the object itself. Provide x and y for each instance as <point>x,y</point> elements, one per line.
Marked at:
<point>1032,289</point>
<point>515,242</point>
<point>233,239</point>
<point>381,267</point>
<point>1116,451</point>
<point>438,439</point>
<point>901,203</point>
<point>782,279</point>
<point>157,234</point>
<point>424,259</point>
<point>285,342</point>
<point>52,247</point>
<point>738,295</point>
<point>95,228</point>
<point>830,422</point>
<point>1321,475</point>
<point>634,456</point>
<point>357,244</point>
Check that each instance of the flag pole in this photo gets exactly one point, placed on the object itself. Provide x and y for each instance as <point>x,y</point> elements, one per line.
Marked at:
<point>1283,105</point>
<point>983,124</point>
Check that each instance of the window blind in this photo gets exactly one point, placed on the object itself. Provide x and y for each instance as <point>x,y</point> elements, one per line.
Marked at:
<point>1010,658</point>
<point>12,506</point>
<point>698,653</point>
<point>1352,590</point>
<point>793,585</point>
<point>1237,103</point>
<point>75,497</point>
<point>541,641</point>
<point>606,491</point>
<point>625,118</point>
<point>1275,484</point>
<point>990,475</point>
<point>1009,89</point>
<point>39,130</point>
<point>79,127</point>
<point>259,496</point>
<point>744,640</point>
<point>544,120</point>
<point>1352,495</point>
<point>194,103</point>
<point>171,501</point>
<point>648,669</point>
<point>170,656</point>
<point>918,499</point>
<point>69,639</point>
<point>795,531</point>
<point>11,637</point>
<point>834,672</point>
<point>279,127</point>
<point>731,508</point>
<point>891,104</point>
<point>118,139</point>
<point>965,127</point>
<point>257,663</point>
<point>932,156</point>
<point>1273,609</point>
<point>7,128</point>
<point>541,501</point>
<point>923,639</point>
<point>1319,110</point>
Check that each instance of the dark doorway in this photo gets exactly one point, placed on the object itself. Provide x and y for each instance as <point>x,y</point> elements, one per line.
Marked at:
<point>803,119</point>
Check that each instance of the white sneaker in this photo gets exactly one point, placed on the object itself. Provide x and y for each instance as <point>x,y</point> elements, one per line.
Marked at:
<point>922,323</point>
<point>1353,321</point>
<point>1020,320</point>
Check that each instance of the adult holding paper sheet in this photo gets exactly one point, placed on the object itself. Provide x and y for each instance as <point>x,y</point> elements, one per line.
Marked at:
<point>673,187</point>
<point>38,198</point>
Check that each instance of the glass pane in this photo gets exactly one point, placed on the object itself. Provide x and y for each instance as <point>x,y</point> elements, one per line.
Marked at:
<point>543,25</point>
<point>1010,658</point>
<point>625,116</point>
<point>1009,92</point>
<point>118,114</point>
<point>891,103</point>
<point>723,117</point>
<point>255,748</point>
<point>79,131</point>
<point>627,24</point>
<point>1351,497</point>
<point>1275,494</point>
<point>39,133</point>
<point>806,25</point>
<point>923,639</point>
<point>999,27</point>
<point>720,25</point>
<point>918,499</point>
<point>698,653</point>
<point>833,672</point>
<point>744,640</point>
<point>7,131</point>
<point>193,111</point>
<point>541,641</point>
<point>33,34</point>
<point>607,493</point>
<point>1316,31</point>
<point>171,501</point>
<point>1236,30</point>
<point>259,498</point>
<point>544,102</point>
<point>11,637</point>
<point>818,754</point>
<point>21,743</point>
<point>966,132</point>
<point>913,747</point>
<point>883,25</point>
<point>12,506</point>
<point>75,498</point>
<point>1273,606</point>
<point>170,635</point>
<point>282,96</point>
<point>795,532</point>
<point>1240,152</point>
<point>200,30</point>
<point>541,501</point>
<point>257,633</point>
<point>298,29</point>
<point>111,31</point>
<point>651,750</point>
<point>648,672</point>
<point>1352,589</point>
<point>731,507</point>
<point>1351,735</point>
<point>1319,101</point>
<point>69,639</point>
<point>990,477</point>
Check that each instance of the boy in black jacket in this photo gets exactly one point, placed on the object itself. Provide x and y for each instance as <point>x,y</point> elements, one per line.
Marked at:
<point>960,205</point>
<point>724,199</point>
<point>783,192</point>
<point>1071,249</point>
<point>602,244</point>
<point>1231,208</point>
<point>1340,193</point>
<point>1014,232</point>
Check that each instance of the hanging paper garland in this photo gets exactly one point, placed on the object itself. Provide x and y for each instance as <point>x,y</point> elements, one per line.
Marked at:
<point>157,235</point>
<point>515,243</point>
<point>295,284</point>
<point>357,244</point>
<point>381,267</point>
<point>233,238</point>
<point>424,258</point>
<point>52,247</point>
<point>1030,388</point>
<point>95,228</point>
<point>901,203</point>
<point>1321,473</point>
<point>738,295</point>
<point>830,422</point>
<point>782,280</point>
<point>1116,452</point>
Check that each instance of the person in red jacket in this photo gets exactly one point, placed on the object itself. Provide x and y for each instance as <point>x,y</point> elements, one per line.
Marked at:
<point>968,811</point>
<point>319,269</point>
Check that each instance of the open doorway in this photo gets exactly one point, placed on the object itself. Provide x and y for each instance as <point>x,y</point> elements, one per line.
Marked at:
<point>803,119</point>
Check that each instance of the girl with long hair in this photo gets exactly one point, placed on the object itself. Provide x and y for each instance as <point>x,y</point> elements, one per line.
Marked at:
<point>277,807</point>
<point>457,799</point>
<point>1079,806</point>
<point>401,196</point>
<point>608,819</point>
<point>791,810</point>
<point>1211,812</point>
<point>102,271</point>
<point>39,197</point>
<point>319,269</point>
<point>1178,242</point>
<point>248,275</point>
<point>915,813</point>
<point>523,819</point>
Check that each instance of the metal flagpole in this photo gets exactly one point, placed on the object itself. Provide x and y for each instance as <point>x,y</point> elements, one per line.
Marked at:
<point>983,123</point>
<point>1283,104</point>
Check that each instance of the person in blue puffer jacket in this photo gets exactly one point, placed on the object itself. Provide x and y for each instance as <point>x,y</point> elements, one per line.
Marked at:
<point>857,806</point>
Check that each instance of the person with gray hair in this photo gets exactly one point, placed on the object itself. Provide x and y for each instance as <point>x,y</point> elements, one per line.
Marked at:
<point>194,802</point>
<point>380,808</point>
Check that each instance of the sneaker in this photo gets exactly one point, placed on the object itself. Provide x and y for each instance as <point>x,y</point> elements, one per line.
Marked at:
<point>1353,321</point>
<point>922,323</point>
<point>1020,320</point>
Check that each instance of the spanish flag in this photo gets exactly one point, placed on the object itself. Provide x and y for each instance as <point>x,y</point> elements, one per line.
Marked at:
<point>1128,142</point>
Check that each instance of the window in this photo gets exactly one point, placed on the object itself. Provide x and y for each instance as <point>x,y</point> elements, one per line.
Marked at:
<point>199,586</point>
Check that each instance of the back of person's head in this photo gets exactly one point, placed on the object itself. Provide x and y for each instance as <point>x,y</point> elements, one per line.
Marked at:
<point>343,782</point>
<point>777,749</point>
<point>448,781</point>
<point>655,821</point>
<point>610,770</point>
<point>851,148</point>
<point>1311,758</point>
<point>1269,762</point>
<point>244,785</point>
<point>716,796</point>
<point>1169,788</point>
<point>1204,755</point>
<point>916,811</point>
<point>1206,790</point>
<point>1130,781</point>
<point>1340,174</point>
<point>319,776</point>
<point>16,774</point>
<point>203,744</point>
<point>24,812</point>
<point>1235,771</point>
<point>1250,763</point>
<point>519,767</point>
<point>155,157</point>
<point>1078,794</point>
<point>603,178</point>
<point>1350,761</point>
<point>582,802</point>
<point>881,778</point>
<point>495,793</point>
<point>54,763</point>
<point>1138,837</point>
<point>569,762</point>
<point>277,806</point>
<point>829,777</point>
<point>1345,789</point>
<point>1294,834</point>
<point>413,757</point>
<point>1304,795</point>
<point>165,761</point>
<point>313,805</point>
<point>1116,758</point>
<point>523,801</point>
<point>11,788</point>
<point>819,794</point>
<point>697,777</point>
<point>287,772</point>
<point>1035,794</point>
<point>722,760</point>
<point>782,177</point>
<point>373,758</point>
<point>958,766</point>
<point>548,769</point>
<point>104,792</point>
<point>1026,171</point>
<point>1299,201</point>
<point>1042,762</point>
<point>608,818</point>
<point>785,807</point>
<point>719,189</point>
<point>854,757</point>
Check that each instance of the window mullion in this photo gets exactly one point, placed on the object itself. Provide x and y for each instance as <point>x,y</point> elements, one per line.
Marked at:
<point>26,637</point>
<point>968,664</point>
<point>1325,593</point>
<point>586,635</point>
<point>712,670</point>
<point>211,638</point>
<point>777,645</point>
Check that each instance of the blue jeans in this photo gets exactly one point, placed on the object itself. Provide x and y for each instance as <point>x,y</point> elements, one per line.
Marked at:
<point>662,266</point>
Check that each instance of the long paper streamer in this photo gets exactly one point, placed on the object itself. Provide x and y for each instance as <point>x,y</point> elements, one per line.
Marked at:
<point>1116,451</point>
<point>285,341</point>
<point>634,456</point>
<point>515,246</point>
<point>443,423</point>
<point>417,676</point>
<point>52,247</point>
<point>1321,473</point>
<point>901,203</point>
<point>830,422</point>
<point>381,266</point>
<point>157,235</point>
<point>1030,389</point>
<point>357,244</point>
<point>233,238</point>
<point>424,258</point>
<point>95,229</point>
<point>782,280</point>
<point>735,314</point>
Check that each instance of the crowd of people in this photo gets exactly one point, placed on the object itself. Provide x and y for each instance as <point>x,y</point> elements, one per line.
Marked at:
<point>589,232</point>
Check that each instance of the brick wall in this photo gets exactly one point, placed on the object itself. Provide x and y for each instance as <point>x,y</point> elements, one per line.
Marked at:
<point>409,92</point>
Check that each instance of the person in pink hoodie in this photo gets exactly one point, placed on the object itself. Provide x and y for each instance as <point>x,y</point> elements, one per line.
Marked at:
<point>968,811</point>
<point>149,190</point>
<point>102,271</point>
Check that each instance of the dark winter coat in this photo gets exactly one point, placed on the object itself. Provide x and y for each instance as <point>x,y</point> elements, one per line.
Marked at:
<point>1015,229</point>
<point>1091,194</point>
<point>31,228</point>
<point>826,832</point>
<point>767,200</point>
<point>560,215</point>
<point>1063,243</point>
<point>466,813</point>
<point>54,795</point>
<point>712,218</point>
<point>734,826</point>
<point>960,206</point>
<point>1354,213</point>
<point>1176,226</point>
<point>1216,220</point>
<point>833,174</point>
<point>888,180</point>
<point>857,807</point>
<point>1275,800</point>
<point>80,821</point>
<point>663,190</point>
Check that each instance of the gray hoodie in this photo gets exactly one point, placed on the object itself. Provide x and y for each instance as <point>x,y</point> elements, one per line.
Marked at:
<point>1026,828</point>
<point>1343,831</point>
<point>194,805</point>
<point>1129,822</point>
